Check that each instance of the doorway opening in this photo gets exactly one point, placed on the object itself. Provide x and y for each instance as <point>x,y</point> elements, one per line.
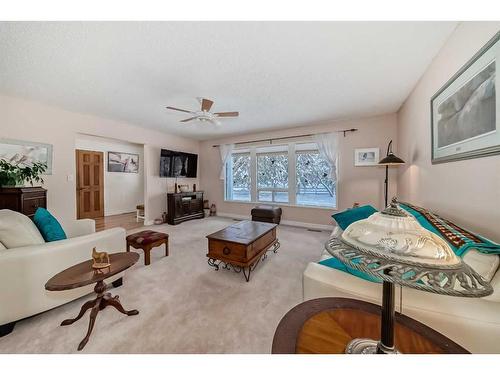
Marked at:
<point>110,182</point>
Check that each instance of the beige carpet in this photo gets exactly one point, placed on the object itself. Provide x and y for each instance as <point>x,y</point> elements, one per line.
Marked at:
<point>185,306</point>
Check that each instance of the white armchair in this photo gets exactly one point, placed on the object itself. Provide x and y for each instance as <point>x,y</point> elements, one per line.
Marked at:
<point>25,270</point>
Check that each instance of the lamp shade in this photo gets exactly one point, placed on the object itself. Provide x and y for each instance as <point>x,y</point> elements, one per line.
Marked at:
<point>391,245</point>
<point>391,159</point>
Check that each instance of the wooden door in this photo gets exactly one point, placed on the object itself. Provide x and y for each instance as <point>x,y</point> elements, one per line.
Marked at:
<point>89,184</point>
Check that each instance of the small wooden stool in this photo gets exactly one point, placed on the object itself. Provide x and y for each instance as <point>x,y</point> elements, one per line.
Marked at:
<point>146,240</point>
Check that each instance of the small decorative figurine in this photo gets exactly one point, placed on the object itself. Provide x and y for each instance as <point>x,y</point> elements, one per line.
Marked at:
<point>100,259</point>
<point>213,210</point>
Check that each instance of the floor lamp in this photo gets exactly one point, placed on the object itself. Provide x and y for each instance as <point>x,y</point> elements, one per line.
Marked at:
<point>390,159</point>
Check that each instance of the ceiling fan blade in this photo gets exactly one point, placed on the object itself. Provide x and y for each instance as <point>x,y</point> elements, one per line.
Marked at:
<point>206,104</point>
<point>189,119</point>
<point>227,114</point>
<point>178,109</point>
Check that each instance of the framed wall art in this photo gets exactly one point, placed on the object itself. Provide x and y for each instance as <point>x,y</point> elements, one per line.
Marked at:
<point>366,157</point>
<point>464,122</point>
<point>123,162</point>
<point>26,152</point>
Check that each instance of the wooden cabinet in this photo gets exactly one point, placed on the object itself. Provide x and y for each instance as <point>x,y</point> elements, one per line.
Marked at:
<point>184,206</point>
<point>25,200</point>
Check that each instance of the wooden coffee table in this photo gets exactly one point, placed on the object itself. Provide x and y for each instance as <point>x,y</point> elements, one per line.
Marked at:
<point>83,274</point>
<point>241,246</point>
<point>326,325</point>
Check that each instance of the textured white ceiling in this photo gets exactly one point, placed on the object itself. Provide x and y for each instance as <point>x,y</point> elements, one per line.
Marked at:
<point>276,74</point>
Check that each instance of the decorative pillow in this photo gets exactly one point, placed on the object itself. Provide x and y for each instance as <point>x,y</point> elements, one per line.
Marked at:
<point>48,225</point>
<point>17,230</point>
<point>347,217</point>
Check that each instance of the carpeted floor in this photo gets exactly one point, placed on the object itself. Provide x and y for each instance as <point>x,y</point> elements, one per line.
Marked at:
<point>185,305</point>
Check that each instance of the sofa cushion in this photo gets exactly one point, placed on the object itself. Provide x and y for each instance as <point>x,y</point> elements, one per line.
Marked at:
<point>484,264</point>
<point>48,225</point>
<point>17,230</point>
<point>349,216</point>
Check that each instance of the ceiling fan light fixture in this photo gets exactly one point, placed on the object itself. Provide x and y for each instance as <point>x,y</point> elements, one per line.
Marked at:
<point>204,113</point>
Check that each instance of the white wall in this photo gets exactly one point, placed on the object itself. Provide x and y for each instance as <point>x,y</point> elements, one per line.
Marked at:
<point>467,191</point>
<point>32,121</point>
<point>122,191</point>
<point>355,184</point>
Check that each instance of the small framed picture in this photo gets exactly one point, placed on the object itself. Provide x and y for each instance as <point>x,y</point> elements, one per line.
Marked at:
<point>123,162</point>
<point>366,157</point>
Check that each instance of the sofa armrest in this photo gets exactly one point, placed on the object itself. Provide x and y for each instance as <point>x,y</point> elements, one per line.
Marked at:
<point>25,270</point>
<point>77,228</point>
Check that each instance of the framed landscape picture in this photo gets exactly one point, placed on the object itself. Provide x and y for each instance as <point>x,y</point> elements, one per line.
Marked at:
<point>25,152</point>
<point>123,162</point>
<point>464,122</point>
<point>366,157</point>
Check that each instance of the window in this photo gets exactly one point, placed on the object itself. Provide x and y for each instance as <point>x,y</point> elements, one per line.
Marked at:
<point>238,177</point>
<point>272,177</point>
<point>294,174</point>
<point>314,187</point>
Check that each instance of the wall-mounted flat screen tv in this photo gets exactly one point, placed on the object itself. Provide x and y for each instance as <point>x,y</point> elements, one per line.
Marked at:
<point>178,164</point>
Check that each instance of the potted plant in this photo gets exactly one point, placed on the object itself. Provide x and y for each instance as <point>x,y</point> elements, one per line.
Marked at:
<point>16,173</point>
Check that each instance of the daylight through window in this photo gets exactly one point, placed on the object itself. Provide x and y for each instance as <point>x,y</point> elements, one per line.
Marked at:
<point>294,174</point>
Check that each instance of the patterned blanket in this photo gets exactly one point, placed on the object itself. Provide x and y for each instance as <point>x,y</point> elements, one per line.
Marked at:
<point>459,239</point>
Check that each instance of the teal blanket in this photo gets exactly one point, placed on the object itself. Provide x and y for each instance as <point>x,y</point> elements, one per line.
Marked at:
<point>459,239</point>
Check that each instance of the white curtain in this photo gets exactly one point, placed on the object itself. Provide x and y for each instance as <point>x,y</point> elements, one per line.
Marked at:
<point>225,154</point>
<point>328,146</point>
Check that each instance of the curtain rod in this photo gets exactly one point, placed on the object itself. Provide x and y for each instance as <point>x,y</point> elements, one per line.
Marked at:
<point>270,140</point>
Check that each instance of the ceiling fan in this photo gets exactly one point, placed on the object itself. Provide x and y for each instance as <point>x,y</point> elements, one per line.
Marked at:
<point>204,113</point>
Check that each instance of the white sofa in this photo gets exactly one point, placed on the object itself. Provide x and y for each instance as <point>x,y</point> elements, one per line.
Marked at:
<point>474,323</point>
<point>25,270</point>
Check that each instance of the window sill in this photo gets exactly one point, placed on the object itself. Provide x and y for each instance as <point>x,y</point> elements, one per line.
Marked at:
<point>283,204</point>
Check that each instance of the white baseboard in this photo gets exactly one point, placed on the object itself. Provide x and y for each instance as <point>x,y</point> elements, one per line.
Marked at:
<point>291,223</point>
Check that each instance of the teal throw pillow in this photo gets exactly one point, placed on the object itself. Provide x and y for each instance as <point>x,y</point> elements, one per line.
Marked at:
<point>347,217</point>
<point>49,227</point>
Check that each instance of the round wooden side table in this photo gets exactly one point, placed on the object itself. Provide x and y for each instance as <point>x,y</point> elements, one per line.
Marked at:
<point>326,325</point>
<point>83,274</point>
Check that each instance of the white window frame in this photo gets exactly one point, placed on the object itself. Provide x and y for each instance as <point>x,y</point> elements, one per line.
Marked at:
<point>291,149</point>
<point>310,149</point>
<point>229,177</point>
<point>273,191</point>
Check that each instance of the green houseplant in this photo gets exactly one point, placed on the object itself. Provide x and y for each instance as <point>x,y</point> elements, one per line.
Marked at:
<point>16,173</point>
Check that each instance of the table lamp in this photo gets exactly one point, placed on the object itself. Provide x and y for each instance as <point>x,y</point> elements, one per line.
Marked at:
<point>391,245</point>
<point>390,159</point>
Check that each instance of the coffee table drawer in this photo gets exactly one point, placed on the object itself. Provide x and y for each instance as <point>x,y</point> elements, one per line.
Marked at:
<point>263,243</point>
<point>228,250</point>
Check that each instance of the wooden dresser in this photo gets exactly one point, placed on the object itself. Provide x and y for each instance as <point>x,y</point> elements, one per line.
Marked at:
<point>23,199</point>
<point>184,206</point>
